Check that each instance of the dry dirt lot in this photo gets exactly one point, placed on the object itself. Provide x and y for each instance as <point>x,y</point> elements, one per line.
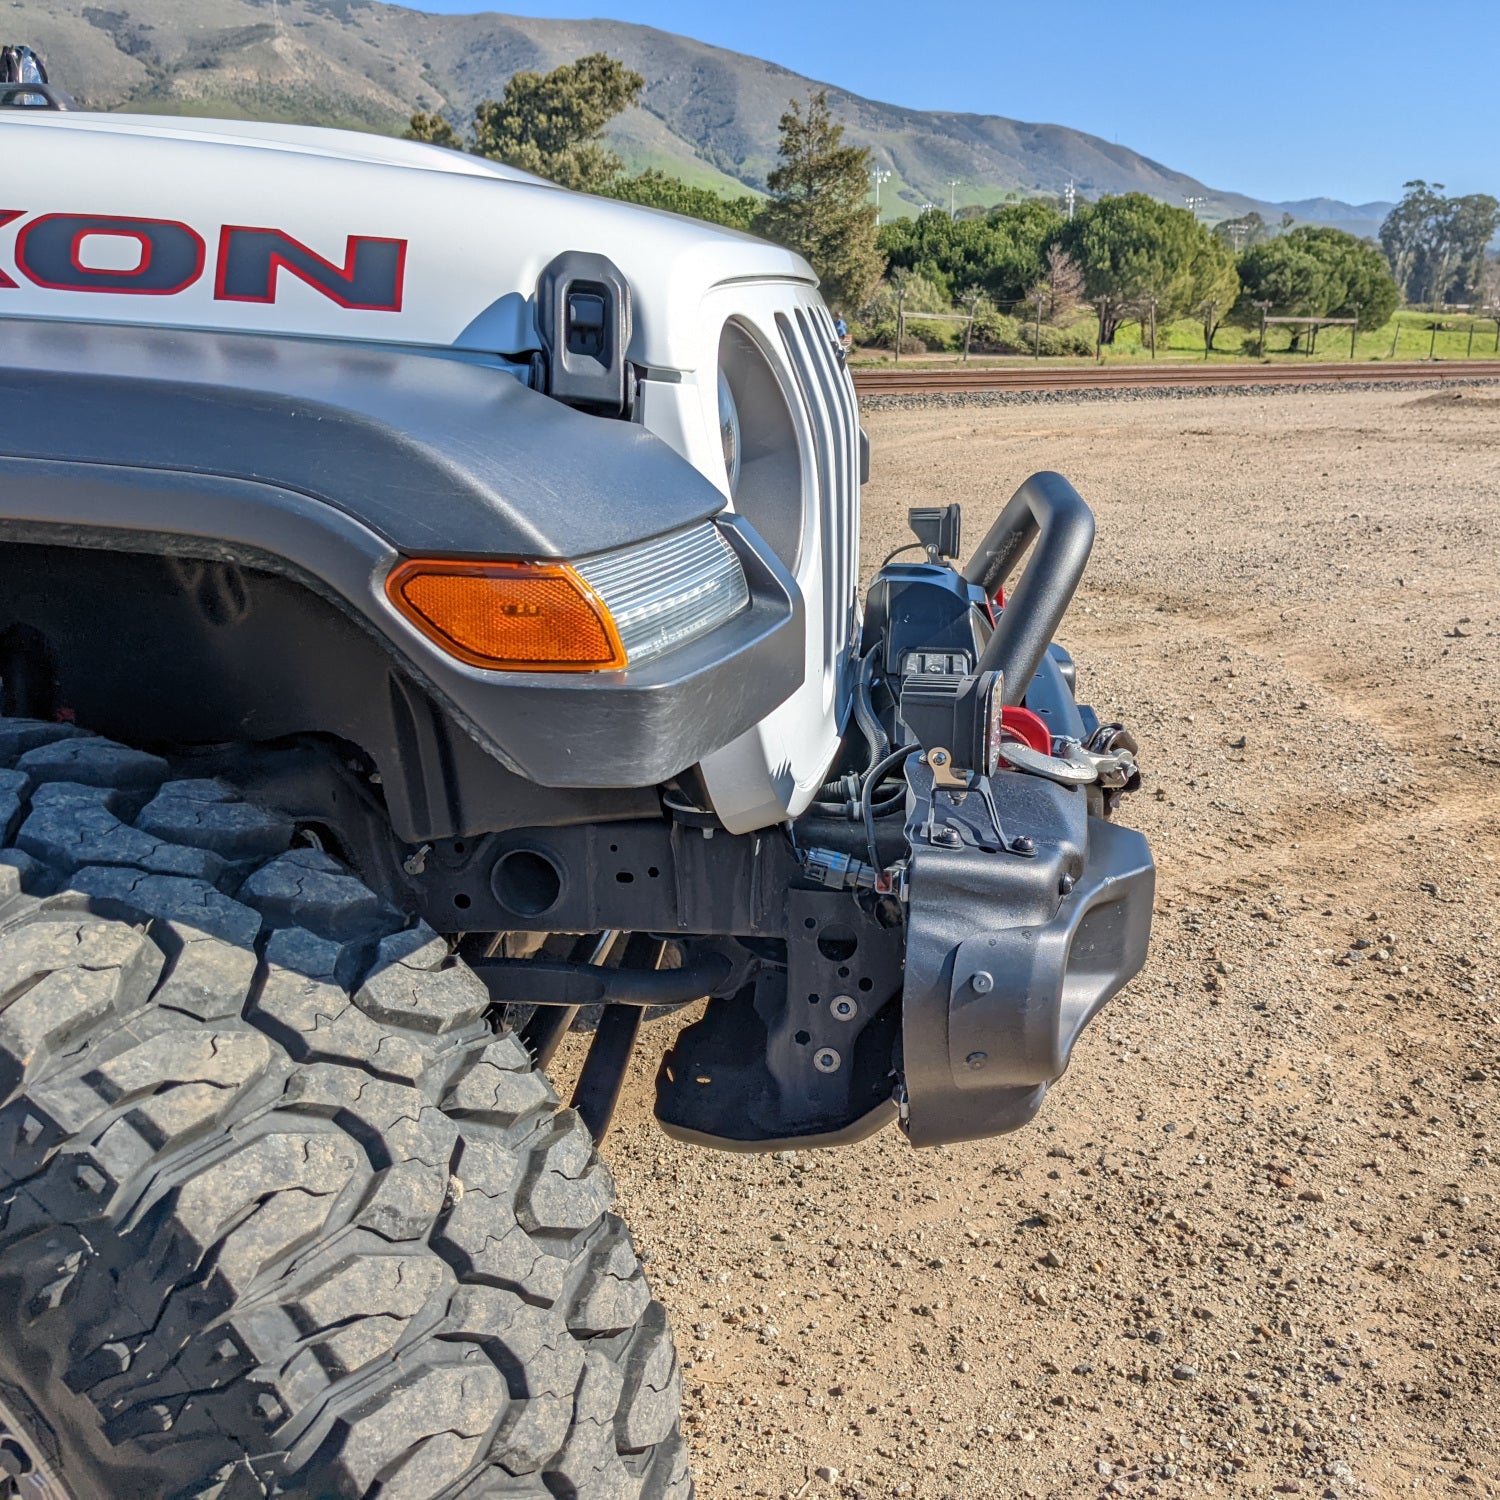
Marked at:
<point>1250,1246</point>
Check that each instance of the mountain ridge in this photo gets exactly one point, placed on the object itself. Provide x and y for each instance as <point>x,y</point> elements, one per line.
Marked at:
<point>707,114</point>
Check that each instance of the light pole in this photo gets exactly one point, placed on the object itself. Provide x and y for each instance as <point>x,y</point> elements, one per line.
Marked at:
<point>1194,202</point>
<point>877,176</point>
<point>953,183</point>
<point>1070,197</point>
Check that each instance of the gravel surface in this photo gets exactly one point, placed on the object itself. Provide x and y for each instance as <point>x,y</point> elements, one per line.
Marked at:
<point>1249,1246</point>
<point>954,399</point>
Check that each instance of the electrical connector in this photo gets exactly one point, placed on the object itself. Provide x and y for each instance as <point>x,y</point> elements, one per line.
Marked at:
<point>839,872</point>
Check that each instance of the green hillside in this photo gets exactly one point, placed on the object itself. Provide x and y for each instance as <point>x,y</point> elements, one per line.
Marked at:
<point>707,115</point>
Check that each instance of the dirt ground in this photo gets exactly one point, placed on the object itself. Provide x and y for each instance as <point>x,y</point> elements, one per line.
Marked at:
<point>1250,1245</point>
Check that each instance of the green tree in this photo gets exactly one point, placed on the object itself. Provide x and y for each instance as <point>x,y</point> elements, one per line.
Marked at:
<point>1285,274</point>
<point>657,190</point>
<point>1489,286</point>
<point>1136,253</point>
<point>915,294</point>
<point>548,123</point>
<point>1214,285</point>
<point>1436,245</point>
<point>1359,283</point>
<point>1247,230</point>
<point>435,130</point>
<point>553,123</point>
<point>1473,220</point>
<point>1316,273</point>
<point>818,203</point>
<point>1004,251</point>
<point>1408,234</point>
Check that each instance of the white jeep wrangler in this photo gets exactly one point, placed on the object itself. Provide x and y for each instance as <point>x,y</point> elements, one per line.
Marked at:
<point>429,608</point>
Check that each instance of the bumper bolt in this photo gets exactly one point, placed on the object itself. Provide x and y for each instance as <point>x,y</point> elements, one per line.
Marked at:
<point>844,1007</point>
<point>983,982</point>
<point>826,1060</point>
<point>1024,844</point>
<point>1065,885</point>
<point>977,1059</point>
<point>947,838</point>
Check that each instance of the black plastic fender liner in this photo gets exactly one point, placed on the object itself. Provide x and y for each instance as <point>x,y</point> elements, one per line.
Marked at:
<point>1049,509</point>
<point>325,460</point>
<point>1003,970</point>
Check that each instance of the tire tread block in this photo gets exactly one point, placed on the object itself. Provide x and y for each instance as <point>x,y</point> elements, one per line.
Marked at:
<point>17,736</point>
<point>208,815</point>
<point>75,830</point>
<point>305,888</point>
<point>413,986</point>
<point>58,977</point>
<point>94,762</point>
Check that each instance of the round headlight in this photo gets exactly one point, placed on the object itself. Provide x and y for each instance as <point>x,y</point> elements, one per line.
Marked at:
<point>729,431</point>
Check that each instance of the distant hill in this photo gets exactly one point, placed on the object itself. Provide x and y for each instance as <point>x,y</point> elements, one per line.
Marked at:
<point>707,114</point>
<point>1356,218</point>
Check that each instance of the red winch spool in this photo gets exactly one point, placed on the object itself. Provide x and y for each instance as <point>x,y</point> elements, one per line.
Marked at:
<point>1031,729</point>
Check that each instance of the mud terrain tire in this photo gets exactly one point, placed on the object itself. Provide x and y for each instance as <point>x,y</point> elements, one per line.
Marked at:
<point>279,1213</point>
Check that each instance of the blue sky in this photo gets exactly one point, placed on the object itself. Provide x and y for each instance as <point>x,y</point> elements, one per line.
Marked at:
<point>1281,99</point>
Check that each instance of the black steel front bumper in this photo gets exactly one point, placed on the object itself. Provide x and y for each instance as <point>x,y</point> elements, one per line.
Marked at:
<point>1009,957</point>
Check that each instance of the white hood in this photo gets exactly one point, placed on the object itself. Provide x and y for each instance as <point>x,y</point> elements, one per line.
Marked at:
<point>473,235</point>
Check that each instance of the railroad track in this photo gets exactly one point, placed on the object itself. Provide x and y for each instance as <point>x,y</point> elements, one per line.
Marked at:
<point>918,382</point>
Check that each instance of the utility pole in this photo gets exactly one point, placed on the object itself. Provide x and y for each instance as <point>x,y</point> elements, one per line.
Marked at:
<point>1037,348</point>
<point>877,176</point>
<point>1070,197</point>
<point>953,183</point>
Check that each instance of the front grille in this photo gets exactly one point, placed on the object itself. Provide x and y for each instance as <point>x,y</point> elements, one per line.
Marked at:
<point>828,394</point>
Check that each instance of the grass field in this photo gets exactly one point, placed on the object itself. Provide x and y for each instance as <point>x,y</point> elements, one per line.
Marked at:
<point>1408,336</point>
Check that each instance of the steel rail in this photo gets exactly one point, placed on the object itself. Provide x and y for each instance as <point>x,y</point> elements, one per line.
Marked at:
<point>879,382</point>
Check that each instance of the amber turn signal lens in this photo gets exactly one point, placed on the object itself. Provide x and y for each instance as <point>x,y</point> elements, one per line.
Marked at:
<point>519,617</point>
